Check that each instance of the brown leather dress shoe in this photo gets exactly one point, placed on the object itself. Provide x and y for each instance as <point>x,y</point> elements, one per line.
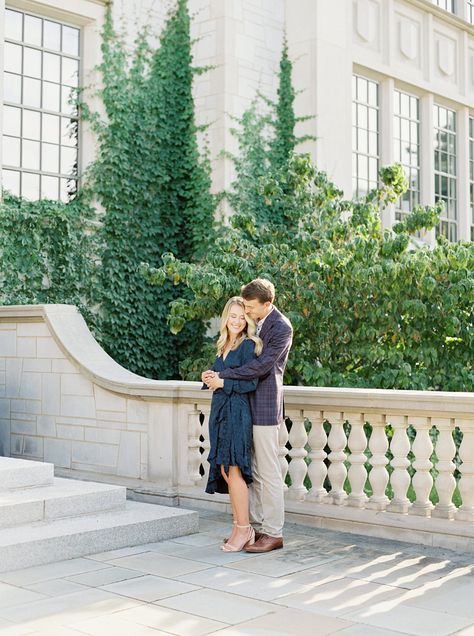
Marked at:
<point>265,543</point>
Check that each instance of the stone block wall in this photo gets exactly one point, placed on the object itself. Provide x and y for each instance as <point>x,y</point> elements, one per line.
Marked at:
<point>51,411</point>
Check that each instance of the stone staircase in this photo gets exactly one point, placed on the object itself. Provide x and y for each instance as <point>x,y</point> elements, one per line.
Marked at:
<point>45,519</point>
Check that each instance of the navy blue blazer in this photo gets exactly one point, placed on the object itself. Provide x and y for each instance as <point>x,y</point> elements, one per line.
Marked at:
<point>266,403</point>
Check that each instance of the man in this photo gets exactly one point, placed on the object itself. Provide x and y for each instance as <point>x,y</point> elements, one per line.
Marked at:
<point>266,492</point>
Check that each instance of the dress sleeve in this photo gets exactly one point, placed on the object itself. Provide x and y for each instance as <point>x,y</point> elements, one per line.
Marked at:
<point>243,386</point>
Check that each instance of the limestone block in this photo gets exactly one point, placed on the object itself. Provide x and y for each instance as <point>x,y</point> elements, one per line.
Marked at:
<point>37,366</point>
<point>137,411</point>
<point>254,31</point>
<point>13,371</point>
<point>76,385</point>
<point>47,348</point>
<point>51,394</point>
<point>244,47</point>
<point>5,437</point>
<point>128,463</point>
<point>58,452</point>
<point>74,405</point>
<point>26,347</point>
<point>30,386</point>
<point>8,343</point>
<point>100,469</point>
<point>46,426</point>
<point>3,377</point>
<point>26,406</point>
<point>7,326</point>
<point>33,329</point>
<point>2,364</point>
<point>26,446</point>
<point>206,46</point>
<point>116,426</point>
<point>102,436</point>
<point>111,416</point>
<point>74,421</point>
<point>95,454</point>
<point>4,408</point>
<point>23,427</point>
<point>25,417</point>
<point>63,366</point>
<point>70,432</point>
<point>108,401</point>
<point>131,426</point>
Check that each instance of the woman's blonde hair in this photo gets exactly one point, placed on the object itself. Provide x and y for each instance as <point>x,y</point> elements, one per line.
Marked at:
<point>248,332</point>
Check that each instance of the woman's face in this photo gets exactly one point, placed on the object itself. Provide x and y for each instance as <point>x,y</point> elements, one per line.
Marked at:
<point>236,322</point>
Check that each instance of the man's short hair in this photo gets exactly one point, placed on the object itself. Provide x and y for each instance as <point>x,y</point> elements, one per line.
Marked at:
<point>259,289</point>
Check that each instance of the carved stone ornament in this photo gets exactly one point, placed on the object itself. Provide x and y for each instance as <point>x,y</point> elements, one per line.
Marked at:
<point>408,39</point>
<point>446,56</point>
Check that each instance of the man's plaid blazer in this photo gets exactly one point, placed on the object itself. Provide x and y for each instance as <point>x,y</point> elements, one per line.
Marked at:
<point>267,401</point>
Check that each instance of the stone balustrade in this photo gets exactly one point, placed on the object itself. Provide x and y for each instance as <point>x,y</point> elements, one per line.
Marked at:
<point>386,463</point>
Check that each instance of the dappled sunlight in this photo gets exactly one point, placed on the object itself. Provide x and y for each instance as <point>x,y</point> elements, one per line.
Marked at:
<point>409,595</point>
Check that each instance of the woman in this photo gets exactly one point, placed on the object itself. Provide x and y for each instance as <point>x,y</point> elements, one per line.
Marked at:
<point>230,421</point>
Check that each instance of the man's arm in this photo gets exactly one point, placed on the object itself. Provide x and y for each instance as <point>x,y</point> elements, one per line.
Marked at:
<point>261,366</point>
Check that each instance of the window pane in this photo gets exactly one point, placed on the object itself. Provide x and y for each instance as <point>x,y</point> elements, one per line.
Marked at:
<point>33,30</point>
<point>52,35</point>
<point>70,40</point>
<point>12,88</point>
<point>50,158</point>
<point>31,124</point>
<point>51,95</point>
<point>11,151</point>
<point>30,186</point>
<point>12,57</point>
<point>11,181</point>
<point>11,121</point>
<point>51,67</point>
<point>32,60</point>
<point>31,92</point>
<point>13,24</point>
<point>49,187</point>
<point>31,154</point>
<point>50,128</point>
<point>70,74</point>
<point>67,95</point>
<point>69,131</point>
<point>68,160</point>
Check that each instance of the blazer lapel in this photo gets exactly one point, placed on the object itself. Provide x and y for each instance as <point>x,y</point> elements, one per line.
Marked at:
<point>268,322</point>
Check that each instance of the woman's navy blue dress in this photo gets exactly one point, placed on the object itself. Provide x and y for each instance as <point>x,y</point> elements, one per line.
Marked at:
<point>230,421</point>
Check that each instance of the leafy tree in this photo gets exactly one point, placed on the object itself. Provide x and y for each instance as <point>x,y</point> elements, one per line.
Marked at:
<point>154,188</point>
<point>367,310</point>
<point>47,252</point>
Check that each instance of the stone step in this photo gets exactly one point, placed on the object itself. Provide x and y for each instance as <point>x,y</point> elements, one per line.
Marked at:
<point>63,498</point>
<point>24,473</point>
<point>43,542</point>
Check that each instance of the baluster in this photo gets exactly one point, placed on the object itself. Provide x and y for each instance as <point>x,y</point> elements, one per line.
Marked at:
<point>206,444</point>
<point>283,452</point>
<point>357,473</point>
<point>317,470</point>
<point>337,471</point>
<point>445,481</point>
<point>422,480</point>
<point>466,483</point>
<point>298,467</point>
<point>194,445</point>
<point>400,478</point>
<point>378,476</point>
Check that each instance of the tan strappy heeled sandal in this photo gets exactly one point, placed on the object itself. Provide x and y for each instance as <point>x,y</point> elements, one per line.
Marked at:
<point>248,540</point>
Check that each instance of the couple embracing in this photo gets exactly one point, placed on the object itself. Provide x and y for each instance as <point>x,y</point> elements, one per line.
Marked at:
<point>246,414</point>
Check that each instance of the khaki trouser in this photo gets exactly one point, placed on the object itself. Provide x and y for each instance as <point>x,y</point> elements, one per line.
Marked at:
<point>267,505</point>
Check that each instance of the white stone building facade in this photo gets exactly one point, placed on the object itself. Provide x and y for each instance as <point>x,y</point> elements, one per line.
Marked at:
<point>387,80</point>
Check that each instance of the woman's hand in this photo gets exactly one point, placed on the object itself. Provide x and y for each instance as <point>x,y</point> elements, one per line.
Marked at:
<point>214,382</point>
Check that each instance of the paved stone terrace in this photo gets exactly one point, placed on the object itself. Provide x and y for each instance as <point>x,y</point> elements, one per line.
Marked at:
<point>321,583</point>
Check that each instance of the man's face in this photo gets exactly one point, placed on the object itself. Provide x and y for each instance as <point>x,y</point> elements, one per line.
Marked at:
<point>255,309</point>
